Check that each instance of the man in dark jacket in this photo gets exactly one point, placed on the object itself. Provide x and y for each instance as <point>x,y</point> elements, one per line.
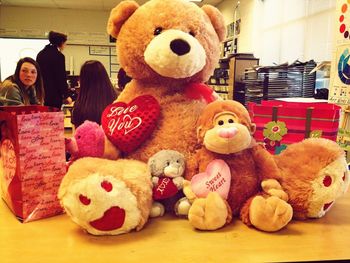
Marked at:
<point>53,69</point>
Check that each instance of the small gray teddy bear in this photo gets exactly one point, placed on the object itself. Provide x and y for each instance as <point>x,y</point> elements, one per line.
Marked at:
<point>167,168</point>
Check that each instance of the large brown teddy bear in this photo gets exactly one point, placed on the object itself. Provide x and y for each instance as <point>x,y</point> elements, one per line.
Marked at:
<point>263,190</point>
<point>169,48</point>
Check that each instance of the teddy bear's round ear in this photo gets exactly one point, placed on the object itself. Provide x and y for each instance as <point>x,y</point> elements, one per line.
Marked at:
<point>119,15</point>
<point>217,20</point>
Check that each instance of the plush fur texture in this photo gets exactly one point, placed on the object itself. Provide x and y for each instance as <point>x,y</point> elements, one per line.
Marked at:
<point>249,168</point>
<point>304,167</point>
<point>92,186</point>
<point>169,165</point>
<point>309,175</point>
<point>89,140</point>
<point>163,21</point>
<point>156,47</point>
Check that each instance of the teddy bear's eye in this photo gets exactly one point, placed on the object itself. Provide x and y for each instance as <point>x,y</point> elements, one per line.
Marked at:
<point>221,122</point>
<point>192,33</point>
<point>167,163</point>
<point>230,121</point>
<point>157,31</point>
<point>177,161</point>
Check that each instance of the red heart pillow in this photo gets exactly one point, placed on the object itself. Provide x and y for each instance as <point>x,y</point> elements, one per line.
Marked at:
<point>164,189</point>
<point>127,126</point>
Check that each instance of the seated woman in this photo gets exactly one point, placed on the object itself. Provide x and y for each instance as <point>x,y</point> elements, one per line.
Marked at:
<point>96,92</point>
<point>25,87</point>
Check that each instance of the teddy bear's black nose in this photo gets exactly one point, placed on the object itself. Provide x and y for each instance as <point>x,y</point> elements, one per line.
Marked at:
<point>180,47</point>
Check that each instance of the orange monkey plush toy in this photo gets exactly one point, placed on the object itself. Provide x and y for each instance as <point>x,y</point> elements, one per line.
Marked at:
<point>225,132</point>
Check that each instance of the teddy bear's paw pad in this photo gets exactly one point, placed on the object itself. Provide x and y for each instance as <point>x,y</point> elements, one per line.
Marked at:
<point>182,207</point>
<point>157,210</point>
<point>102,205</point>
<point>208,213</point>
<point>270,214</point>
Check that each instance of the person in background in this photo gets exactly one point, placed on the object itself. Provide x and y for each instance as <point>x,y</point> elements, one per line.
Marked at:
<point>96,92</point>
<point>53,67</point>
<point>122,79</point>
<point>25,87</point>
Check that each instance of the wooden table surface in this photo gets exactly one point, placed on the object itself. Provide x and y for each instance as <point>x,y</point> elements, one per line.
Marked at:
<point>170,239</point>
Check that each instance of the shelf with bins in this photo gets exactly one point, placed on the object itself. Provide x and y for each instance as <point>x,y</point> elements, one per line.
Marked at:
<point>229,46</point>
<point>219,82</point>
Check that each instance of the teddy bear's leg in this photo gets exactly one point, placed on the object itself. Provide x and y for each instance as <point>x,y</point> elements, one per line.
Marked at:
<point>157,210</point>
<point>182,207</point>
<point>269,213</point>
<point>209,213</point>
<point>107,197</point>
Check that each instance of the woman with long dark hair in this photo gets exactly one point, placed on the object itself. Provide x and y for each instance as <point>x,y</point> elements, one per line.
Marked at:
<point>25,87</point>
<point>96,92</point>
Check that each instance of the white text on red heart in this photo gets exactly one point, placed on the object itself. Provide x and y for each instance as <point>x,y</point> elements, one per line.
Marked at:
<point>124,120</point>
<point>161,187</point>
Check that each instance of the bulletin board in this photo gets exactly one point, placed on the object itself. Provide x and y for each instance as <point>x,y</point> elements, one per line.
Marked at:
<point>339,92</point>
<point>340,75</point>
<point>12,49</point>
<point>76,55</point>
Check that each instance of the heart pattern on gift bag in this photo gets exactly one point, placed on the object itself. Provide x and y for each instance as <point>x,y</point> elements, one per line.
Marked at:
<point>9,162</point>
<point>128,125</point>
<point>216,178</point>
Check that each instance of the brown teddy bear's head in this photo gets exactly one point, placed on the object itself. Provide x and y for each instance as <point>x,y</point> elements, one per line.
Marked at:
<point>167,40</point>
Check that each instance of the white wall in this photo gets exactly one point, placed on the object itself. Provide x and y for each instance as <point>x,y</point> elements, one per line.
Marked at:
<point>83,27</point>
<point>247,10</point>
<point>46,19</point>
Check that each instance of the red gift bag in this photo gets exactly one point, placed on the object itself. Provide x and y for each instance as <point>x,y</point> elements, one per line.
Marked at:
<point>280,123</point>
<point>32,160</point>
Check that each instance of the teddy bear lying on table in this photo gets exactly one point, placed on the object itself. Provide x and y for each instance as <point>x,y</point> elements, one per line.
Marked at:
<point>262,189</point>
<point>107,197</point>
<point>169,48</point>
<point>314,173</point>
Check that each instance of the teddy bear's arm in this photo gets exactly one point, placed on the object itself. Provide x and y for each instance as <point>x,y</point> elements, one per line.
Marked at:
<point>269,173</point>
<point>192,166</point>
<point>155,180</point>
<point>265,164</point>
<point>178,181</point>
<point>274,188</point>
